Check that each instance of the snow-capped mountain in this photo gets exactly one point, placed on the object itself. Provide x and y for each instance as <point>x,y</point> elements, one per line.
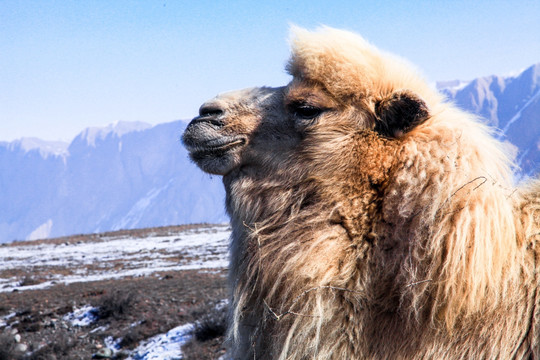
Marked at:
<point>126,175</point>
<point>511,104</point>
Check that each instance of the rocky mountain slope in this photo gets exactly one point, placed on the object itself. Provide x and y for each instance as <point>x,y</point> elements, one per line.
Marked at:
<point>511,104</point>
<point>127,175</point>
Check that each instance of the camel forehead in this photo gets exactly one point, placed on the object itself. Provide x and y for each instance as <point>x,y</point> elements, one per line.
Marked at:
<point>306,92</point>
<point>347,65</point>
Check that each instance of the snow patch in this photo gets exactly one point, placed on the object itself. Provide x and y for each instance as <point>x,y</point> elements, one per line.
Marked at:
<point>4,319</point>
<point>100,329</point>
<point>82,317</point>
<point>118,129</point>
<point>112,343</point>
<point>513,73</point>
<point>452,85</point>
<point>222,304</point>
<point>518,114</point>
<point>135,214</point>
<point>43,231</point>
<point>45,148</point>
<point>164,346</point>
<point>202,248</point>
<point>521,157</point>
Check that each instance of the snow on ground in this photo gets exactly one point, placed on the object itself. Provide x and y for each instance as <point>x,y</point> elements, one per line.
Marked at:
<point>160,347</point>
<point>3,319</point>
<point>115,257</point>
<point>164,346</point>
<point>82,317</point>
<point>203,248</point>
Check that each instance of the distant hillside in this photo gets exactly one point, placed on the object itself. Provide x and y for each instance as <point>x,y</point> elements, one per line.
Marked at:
<point>127,175</point>
<point>511,104</point>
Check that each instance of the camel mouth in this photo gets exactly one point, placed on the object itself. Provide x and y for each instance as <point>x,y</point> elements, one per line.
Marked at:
<point>214,148</point>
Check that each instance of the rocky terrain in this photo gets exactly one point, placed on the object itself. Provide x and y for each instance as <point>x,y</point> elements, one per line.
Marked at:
<point>140,294</point>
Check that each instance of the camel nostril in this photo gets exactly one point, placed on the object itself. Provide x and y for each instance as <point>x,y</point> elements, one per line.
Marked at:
<point>210,114</point>
<point>210,111</point>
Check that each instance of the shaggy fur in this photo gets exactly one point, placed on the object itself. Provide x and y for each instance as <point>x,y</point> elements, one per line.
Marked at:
<point>371,219</point>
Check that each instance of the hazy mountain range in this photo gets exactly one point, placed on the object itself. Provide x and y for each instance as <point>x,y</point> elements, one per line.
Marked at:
<point>127,175</point>
<point>133,175</point>
<point>511,104</point>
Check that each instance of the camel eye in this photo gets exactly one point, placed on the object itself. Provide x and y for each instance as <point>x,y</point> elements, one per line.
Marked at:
<point>305,112</point>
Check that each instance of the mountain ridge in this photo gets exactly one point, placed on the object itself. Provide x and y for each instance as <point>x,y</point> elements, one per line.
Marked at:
<point>510,104</point>
<point>130,179</point>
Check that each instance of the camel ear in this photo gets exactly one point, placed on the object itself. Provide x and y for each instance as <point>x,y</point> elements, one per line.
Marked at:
<point>399,113</point>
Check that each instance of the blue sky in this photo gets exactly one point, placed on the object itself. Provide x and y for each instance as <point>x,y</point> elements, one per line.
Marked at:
<point>67,65</point>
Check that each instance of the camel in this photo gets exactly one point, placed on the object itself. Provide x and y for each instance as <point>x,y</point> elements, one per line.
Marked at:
<point>371,218</point>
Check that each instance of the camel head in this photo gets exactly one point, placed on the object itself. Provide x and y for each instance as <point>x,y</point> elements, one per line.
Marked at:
<point>234,128</point>
<point>328,97</point>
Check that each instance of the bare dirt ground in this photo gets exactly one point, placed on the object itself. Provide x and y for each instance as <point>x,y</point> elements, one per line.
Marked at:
<point>125,311</point>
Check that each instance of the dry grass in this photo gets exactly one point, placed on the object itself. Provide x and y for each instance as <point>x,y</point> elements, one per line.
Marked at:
<point>116,304</point>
